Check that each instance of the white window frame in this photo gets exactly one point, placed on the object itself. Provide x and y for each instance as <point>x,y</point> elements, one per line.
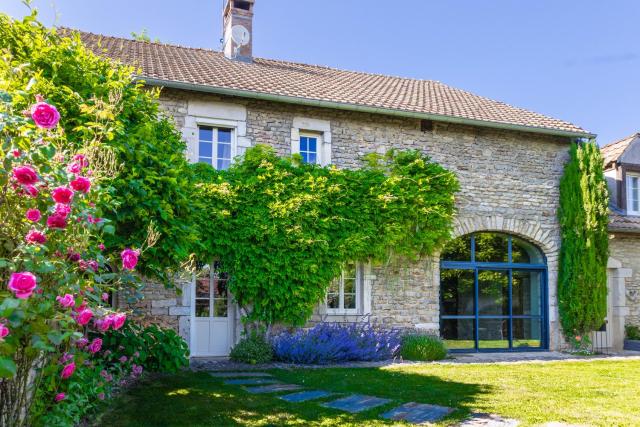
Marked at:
<point>321,129</point>
<point>216,124</point>
<point>359,290</point>
<point>630,178</point>
<point>319,145</point>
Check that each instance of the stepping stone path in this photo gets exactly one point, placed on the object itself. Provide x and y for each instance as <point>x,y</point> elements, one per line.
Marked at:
<point>418,413</point>
<point>273,388</point>
<point>356,403</point>
<point>239,374</point>
<point>250,381</point>
<point>303,396</point>
<point>488,420</point>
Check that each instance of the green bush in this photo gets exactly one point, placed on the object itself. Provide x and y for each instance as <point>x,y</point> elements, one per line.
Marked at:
<point>156,349</point>
<point>632,332</point>
<point>422,347</point>
<point>252,349</point>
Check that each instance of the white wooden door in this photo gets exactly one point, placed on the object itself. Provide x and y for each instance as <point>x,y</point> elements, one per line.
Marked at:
<point>211,313</point>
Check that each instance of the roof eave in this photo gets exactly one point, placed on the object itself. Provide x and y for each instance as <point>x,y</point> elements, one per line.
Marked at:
<point>356,107</point>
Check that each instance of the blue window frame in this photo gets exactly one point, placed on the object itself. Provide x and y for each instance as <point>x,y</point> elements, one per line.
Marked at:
<point>309,149</point>
<point>493,293</point>
<point>214,146</point>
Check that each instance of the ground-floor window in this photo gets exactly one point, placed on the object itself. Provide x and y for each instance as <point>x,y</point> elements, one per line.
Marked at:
<point>344,294</point>
<point>493,294</point>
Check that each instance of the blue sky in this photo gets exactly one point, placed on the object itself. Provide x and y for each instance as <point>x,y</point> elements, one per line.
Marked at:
<point>574,60</point>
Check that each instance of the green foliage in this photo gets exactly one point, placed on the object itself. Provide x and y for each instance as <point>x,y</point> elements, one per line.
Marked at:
<point>422,347</point>
<point>151,184</point>
<point>632,332</point>
<point>583,216</point>
<point>284,229</point>
<point>156,349</point>
<point>252,349</point>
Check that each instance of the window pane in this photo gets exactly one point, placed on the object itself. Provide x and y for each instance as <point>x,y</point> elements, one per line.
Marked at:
<point>202,308</point>
<point>205,133</point>
<point>493,293</point>
<point>457,250</point>
<point>205,149</point>
<point>458,333</point>
<point>220,307</point>
<point>524,252</point>
<point>219,288</point>
<point>312,158</point>
<point>526,293</point>
<point>202,287</point>
<point>224,135</point>
<point>312,142</point>
<point>527,333</point>
<point>205,160</point>
<point>333,300</point>
<point>457,292</point>
<point>492,247</point>
<point>303,143</point>
<point>224,151</point>
<point>349,301</point>
<point>493,333</point>
<point>223,164</point>
<point>349,286</point>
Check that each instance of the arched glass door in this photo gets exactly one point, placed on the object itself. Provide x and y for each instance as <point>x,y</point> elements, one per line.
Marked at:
<point>493,289</point>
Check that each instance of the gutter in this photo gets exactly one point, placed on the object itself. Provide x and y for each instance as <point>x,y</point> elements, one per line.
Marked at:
<point>355,107</point>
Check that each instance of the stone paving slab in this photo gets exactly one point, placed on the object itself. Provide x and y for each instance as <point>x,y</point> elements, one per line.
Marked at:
<point>273,388</point>
<point>250,381</point>
<point>418,413</point>
<point>488,420</point>
<point>303,396</point>
<point>239,374</point>
<point>356,403</point>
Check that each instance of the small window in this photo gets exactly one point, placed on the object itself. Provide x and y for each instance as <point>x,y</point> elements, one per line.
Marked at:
<point>633,194</point>
<point>309,145</point>
<point>214,146</point>
<point>344,292</point>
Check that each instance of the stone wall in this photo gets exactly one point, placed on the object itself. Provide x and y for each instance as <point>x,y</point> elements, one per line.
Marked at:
<point>626,250</point>
<point>509,182</point>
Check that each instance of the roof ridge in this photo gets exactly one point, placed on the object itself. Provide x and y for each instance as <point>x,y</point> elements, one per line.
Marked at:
<point>633,135</point>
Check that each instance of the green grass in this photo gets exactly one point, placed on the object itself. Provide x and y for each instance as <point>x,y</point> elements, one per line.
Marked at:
<point>598,393</point>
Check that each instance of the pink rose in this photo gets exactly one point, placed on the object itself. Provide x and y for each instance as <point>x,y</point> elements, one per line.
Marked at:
<point>57,221</point>
<point>93,264</point>
<point>16,153</point>
<point>35,236</point>
<point>129,258</point>
<point>101,246</point>
<point>59,397</point>
<point>123,359</point>
<point>81,184</point>
<point>74,167</point>
<point>105,296</point>
<point>62,195</point>
<point>66,301</point>
<point>82,342</point>
<point>4,331</point>
<point>65,358</point>
<point>68,370</point>
<point>44,115</point>
<point>81,160</point>
<point>136,370</point>
<point>95,345</point>
<point>101,396</point>
<point>33,215</point>
<point>118,320</point>
<point>104,324</point>
<point>62,210</point>
<point>83,316</point>
<point>31,191</point>
<point>73,256</point>
<point>25,175</point>
<point>22,284</point>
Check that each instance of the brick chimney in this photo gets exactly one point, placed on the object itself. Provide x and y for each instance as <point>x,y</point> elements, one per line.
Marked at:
<point>238,14</point>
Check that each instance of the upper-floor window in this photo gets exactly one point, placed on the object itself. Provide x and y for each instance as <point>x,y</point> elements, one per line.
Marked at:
<point>633,194</point>
<point>214,146</point>
<point>343,296</point>
<point>309,148</point>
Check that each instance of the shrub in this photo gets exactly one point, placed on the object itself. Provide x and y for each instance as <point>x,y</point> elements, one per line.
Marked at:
<point>156,349</point>
<point>422,347</point>
<point>252,349</point>
<point>337,342</point>
<point>632,332</point>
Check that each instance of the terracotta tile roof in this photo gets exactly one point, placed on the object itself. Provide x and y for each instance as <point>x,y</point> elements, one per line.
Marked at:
<point>623,223</point>
<point>208,68</point>
<point>612,151</point>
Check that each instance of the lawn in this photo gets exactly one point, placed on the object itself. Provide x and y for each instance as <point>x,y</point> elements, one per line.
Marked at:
<point>599,393</point>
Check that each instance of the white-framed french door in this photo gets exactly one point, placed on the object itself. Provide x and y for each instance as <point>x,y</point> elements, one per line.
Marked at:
<point>211,313</point>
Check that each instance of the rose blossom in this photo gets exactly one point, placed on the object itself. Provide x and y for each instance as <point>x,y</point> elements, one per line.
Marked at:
<point>118,320</point>
<point>123,359</point>
<point>73,256</point>
<point>101,246</point>
<point>93,264</point>
<point>104,324</point>
<point>33,215</point>
<point>65,358</point>
<point>105,296</point>
<point>62,210</point>
<point>22,284</point>
<point>84,316</point>
<point>136,370</point>
<point>68,370</point>
<point>59,397</point>
<point>129,258</point>
<point>95,345</point>
<point>44,115</point>
<point>4,331</point>
<point>82,342</point>
<point>35,236</point>
<point>81,184</point>
<point>101,396</point>
<point>31,191</point>
<point>57,221</point>
<point>66,301</point>
<point>25,175</point>
<point>16,153</point>
<point>62,195</point>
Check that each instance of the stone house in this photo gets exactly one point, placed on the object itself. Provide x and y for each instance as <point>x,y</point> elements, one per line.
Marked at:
<point>508,160</point>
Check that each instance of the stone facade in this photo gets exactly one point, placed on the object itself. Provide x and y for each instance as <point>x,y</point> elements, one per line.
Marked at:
<point>626,250</point>
<point>509,182</point>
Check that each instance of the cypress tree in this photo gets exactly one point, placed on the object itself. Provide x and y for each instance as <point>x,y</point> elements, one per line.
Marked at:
<point>583,216</point>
